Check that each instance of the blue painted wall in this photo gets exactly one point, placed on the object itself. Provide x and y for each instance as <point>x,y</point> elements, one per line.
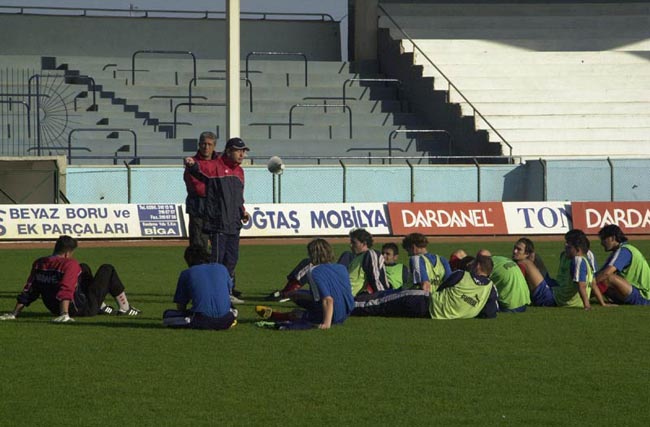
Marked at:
<point>573,180</point>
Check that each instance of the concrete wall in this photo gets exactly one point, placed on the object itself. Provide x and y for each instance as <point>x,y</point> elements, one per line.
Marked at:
<point>113,36</point>
<point>572,180</point>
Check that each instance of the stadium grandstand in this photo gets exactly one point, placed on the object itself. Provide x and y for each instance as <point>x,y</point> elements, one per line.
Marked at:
<point>434,83</point>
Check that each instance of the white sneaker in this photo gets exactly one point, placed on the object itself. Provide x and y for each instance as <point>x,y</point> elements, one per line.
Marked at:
<point>64,318</point>
<point>8,316</point>
<point>235,300</point>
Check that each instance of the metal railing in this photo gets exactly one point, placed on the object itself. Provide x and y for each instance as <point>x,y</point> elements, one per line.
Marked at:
<point>304,57</point>
<point>344,107</point>
<point>27,107</point>
<point>94,106</point>
<point>444,76</point>
<point>77,130</point>
<point>394,133</point>
<point>145,13</point>
<point>200,104</point>
<point>345,84</point>
<point>249,84</point>
<point>37,95</point>
<point>162,52</point>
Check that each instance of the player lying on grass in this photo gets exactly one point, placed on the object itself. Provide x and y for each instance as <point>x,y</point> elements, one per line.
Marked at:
<point>68,288</point>
<point>328,301</point>
<point>510,282</point>
<point>427,270</point>
<point>208,287</point>
<point>365,268</point>
<point>574,283</point>
<point>625,277</point>
<point>465,294</point>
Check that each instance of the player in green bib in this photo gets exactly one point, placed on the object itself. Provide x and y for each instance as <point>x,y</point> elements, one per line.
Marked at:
<point>625,277</point>
<point>463,295</point>
<point>428,270</point>
<point>396,272</point>
<point>574,282</point>
<point>510,282</point>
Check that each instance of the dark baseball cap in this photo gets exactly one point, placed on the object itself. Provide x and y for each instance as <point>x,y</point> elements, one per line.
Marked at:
<point>236,144</point>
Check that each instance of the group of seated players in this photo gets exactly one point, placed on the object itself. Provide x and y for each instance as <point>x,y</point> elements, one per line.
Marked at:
<point>363,282</point>
<point>465,286</point>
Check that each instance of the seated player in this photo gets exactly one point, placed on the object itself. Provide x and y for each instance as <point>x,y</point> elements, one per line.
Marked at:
<point>329,300</point>
<point>625,277</point>
<point>455,259</point>
<point>525,249</point>
<point>465,294</point>
<point>427,270</point>
<point>510,283</point>
<point>365,267</point>
<point>69,289</point>
<point>208,287</point>
<point>590,255</point>
<point>574,282</point>
<point>396,272</point>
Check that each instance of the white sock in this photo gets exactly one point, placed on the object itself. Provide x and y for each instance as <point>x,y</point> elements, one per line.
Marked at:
<point>122,301</point>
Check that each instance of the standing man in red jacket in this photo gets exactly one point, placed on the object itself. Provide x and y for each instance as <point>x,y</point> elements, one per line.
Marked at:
<point>223,178</point>
<point>195,201</point>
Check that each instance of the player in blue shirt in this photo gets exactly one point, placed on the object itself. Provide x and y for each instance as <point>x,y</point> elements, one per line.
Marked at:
<point>208,287</point>
<point>328,301</point>
<point>428,270</point>
<point>625,277</point>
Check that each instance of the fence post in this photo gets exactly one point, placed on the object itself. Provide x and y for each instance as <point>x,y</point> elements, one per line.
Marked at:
<point>611,179</point>
<point>344,178</point>
<point>544,179</point>
<point>412,180</point>
<point>478,180</point>
<point>128,182</point>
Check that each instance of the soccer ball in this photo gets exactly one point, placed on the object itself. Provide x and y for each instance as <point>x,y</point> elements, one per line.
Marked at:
<point>275,165</point>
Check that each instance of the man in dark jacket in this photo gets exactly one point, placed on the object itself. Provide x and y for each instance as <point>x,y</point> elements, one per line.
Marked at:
<point>224,204</point>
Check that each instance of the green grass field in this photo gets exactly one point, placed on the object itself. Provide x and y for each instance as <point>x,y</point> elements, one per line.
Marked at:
<point>543,367</point>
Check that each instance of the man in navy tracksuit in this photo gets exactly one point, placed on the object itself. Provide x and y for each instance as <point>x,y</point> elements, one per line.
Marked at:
<point>224,207</point>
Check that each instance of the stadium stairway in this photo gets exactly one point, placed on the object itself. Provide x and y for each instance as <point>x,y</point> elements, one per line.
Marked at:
<point>166,132</point>
<point>561,79</point>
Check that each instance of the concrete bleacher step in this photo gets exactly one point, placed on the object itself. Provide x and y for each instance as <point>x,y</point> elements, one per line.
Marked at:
<point>147,108</point>
<point>622,44</point>
<point>557,95</point>
<point>308,116</point>
<point>123,66</point>
<point>508,22</point>
<point>541,70</point>
<point>594,148</point>
<point>453,9</point>
<point>564,135</point>
<point>553,77</point>
<point>508,55</point>
<point>566,108</point>
<point>573,121</point>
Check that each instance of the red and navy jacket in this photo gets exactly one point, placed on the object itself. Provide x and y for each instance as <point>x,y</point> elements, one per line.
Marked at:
<point>224,185</point>
<point>53,278</point>
<point>195,201</point>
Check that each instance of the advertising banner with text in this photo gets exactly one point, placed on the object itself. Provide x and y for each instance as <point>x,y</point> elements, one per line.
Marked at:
<point>315,219</point>
<point>632,217</point>
<point>451,219</point>
<point>43,222</point>
<point>528,218</point>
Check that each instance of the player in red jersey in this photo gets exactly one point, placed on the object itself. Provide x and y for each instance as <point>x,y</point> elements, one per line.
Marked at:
<point>69,289</point>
